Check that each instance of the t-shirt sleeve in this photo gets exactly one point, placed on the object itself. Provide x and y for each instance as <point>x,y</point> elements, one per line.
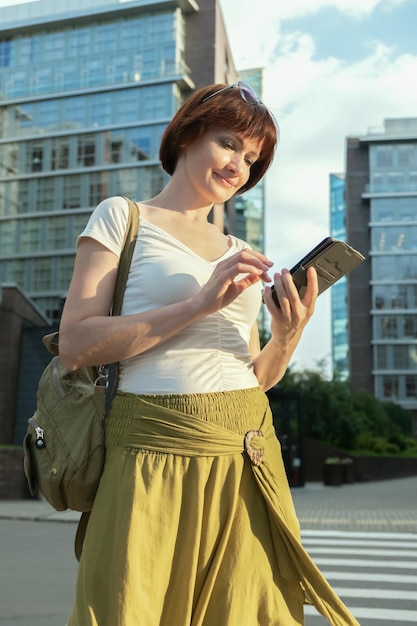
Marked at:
<point>107,224</point>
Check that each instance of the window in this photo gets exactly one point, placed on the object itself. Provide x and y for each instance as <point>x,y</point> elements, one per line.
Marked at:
<point>115,151</point>
<point>101,109</point>
<point>389,328</point>
<point>5,52</point>
<point>54,46</point>
<point>17,272</point>
<point>390,386</point>
<point>65,268</point>
<point>42,274</point>
<point>381,357</point>
<point>93,71</point>
<point>410,326</point>
<point>406,155</point>
<point>383,157</point>
<point>128,107</point>
<point>48,113</point>
<point>60,154</point>
<point>401,357</point>
<point>57,233</point>
<point>74,112</point>
<point>67,75</point>
<point>8,237</point>
<point>79,222</point>
<point>86,153</point>
<point>98,186</point>
<point>17,83</point>
<point>37,159</point>
<point>45,200</point>
<point>31,235</point>
<point>79,42</point>
<point>411,387</point>
<point>106,38</point>
<point>71,192</point>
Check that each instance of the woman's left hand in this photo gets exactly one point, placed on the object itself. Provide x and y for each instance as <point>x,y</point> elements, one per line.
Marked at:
<point>287,324</point>
<point>290,318</point>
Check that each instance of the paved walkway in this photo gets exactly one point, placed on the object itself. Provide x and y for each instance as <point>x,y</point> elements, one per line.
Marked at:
<point>385,506</point>
<point>380,506</point>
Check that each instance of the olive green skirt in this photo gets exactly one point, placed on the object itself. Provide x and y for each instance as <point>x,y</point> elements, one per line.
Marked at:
<point>193,523</point>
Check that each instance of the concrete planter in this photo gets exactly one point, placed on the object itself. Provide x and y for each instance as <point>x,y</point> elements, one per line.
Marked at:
<point>333,474</point>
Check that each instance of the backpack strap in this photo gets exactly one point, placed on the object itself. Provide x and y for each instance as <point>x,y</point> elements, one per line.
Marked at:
<point>126,256</point>
<point>121,280</point>
<point>51,340</point>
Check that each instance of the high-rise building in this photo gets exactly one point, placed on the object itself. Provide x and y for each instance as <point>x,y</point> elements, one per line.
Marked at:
<point>86,90</point>
<point>381,221</point>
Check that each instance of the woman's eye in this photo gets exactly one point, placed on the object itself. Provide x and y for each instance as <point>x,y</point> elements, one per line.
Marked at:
<point>249,161</point>
<point>228,144</point>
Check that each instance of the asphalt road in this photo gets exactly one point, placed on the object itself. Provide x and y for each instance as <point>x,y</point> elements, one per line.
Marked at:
<point>37,573</point>
<point>38,567</point>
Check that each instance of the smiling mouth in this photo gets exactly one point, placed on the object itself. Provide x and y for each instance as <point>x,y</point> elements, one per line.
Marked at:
<point>225,181</point>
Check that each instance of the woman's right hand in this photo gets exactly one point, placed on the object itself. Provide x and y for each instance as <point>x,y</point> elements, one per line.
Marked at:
<point>89,336</point>
<point>230,278</point>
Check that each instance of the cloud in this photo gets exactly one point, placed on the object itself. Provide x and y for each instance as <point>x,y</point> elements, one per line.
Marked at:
<point>318,104</point>
<point>354,8</point>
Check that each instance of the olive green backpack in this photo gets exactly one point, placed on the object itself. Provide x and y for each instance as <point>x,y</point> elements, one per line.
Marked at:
<point>64,446</point>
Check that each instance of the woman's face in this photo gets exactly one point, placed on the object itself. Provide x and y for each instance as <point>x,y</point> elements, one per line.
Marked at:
<point>218,164</point>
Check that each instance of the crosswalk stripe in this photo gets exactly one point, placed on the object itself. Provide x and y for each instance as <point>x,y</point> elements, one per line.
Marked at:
<point>365,563</point>
<point>381,594</point>
<point>402,579</point>
<point>363,551</point>
<point>354,534</point>
<point>375,570</point>
<point>361,542</point>
<point>386,615</point>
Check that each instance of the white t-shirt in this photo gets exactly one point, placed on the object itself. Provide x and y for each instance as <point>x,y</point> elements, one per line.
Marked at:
<point>207,356</point>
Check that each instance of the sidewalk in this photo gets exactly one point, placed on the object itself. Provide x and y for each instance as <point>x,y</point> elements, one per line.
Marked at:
<point>379,506</point>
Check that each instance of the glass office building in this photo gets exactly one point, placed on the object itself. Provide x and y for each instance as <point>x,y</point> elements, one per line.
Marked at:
<point>381,209</point>
<point>338,295</point>
<point>249,208</point>
<point>86,90</point>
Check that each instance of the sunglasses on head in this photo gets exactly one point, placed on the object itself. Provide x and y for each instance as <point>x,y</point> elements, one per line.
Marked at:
<point>246,93</point>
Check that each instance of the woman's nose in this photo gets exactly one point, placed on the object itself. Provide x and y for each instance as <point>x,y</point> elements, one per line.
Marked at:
<point>236,163</point>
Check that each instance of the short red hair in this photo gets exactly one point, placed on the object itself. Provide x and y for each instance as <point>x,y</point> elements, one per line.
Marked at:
<point>224,110</point>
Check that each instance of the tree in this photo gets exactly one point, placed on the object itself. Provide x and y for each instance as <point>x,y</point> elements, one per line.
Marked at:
<point>341,416</point>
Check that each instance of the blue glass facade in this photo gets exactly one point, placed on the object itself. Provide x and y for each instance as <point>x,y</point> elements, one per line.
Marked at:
<point>339,317</point>
<point>249,208</point>
<point>83,105</point>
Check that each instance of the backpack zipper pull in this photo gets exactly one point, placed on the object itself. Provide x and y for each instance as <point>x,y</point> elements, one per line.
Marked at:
<point>40,435</point>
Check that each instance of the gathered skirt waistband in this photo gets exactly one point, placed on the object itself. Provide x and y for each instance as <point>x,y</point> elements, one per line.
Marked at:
<point>211,424</point>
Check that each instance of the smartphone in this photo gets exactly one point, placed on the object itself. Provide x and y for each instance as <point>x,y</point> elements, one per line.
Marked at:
<point>332,259</point>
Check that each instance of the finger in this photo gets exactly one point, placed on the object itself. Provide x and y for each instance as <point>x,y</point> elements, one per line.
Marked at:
<point>275,300</point>
<point>240,269</point>
<point>312,289</point>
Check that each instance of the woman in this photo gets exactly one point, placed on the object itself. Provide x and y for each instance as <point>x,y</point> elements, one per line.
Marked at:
<point>193,522</point>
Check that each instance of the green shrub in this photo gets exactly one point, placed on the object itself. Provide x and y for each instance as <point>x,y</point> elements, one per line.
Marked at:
<point>348,418</point>
<point>398,440</point>
<point>379,446</point>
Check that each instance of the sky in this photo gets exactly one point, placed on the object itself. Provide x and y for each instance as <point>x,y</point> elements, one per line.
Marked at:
<point>332,68</point>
